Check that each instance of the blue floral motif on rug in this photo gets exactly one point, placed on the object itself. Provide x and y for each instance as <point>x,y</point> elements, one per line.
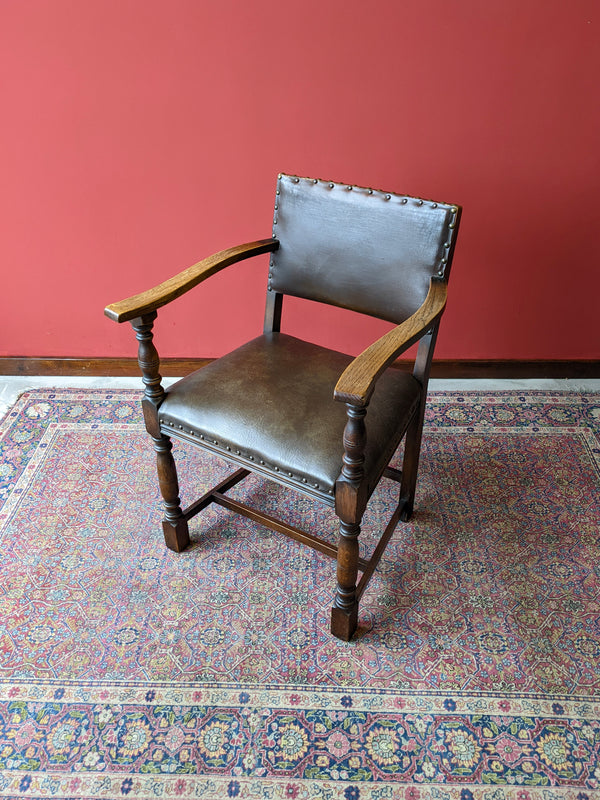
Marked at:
<point>129,671</point>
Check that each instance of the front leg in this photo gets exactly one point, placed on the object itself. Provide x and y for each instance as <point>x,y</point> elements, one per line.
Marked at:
<point>349,506</point>
<point>344,614</point>
<point>175,526</point>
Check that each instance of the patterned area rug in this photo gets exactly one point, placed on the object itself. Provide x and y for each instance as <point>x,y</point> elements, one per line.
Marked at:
<point>129,671</point>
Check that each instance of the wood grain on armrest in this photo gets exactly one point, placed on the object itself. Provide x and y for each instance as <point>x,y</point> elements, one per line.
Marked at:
<point>174,287</point>
<point>357,382</point>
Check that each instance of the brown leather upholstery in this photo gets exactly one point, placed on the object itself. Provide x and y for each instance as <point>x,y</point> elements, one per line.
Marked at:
<point>269,406</point>
<point>358,248</point>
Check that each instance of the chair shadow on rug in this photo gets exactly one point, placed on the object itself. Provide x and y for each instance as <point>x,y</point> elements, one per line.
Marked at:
<point>296,412</point>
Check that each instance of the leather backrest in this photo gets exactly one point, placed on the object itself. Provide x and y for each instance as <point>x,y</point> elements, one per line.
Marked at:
<point>359,248</point>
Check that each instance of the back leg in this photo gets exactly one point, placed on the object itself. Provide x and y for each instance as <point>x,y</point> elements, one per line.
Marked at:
<point>410,464</point>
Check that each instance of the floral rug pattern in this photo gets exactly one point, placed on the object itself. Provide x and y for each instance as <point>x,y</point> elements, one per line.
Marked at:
<point>129,671</point>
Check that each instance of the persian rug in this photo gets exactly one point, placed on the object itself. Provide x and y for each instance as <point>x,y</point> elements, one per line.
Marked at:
<point>127,670</point>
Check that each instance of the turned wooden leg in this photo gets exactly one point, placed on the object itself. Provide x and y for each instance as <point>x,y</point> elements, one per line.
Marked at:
<point>175,527</point>
<point>344,614</point>
<point>349,505</point>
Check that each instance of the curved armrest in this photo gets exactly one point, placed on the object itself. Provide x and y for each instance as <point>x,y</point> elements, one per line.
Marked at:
<point>357,382</point>
<point>152,299</point>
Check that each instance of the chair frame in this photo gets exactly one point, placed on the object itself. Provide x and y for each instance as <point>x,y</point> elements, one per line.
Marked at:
<point>354,388</point>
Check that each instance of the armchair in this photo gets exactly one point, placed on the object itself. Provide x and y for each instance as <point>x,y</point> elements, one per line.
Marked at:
<point>310,418</point>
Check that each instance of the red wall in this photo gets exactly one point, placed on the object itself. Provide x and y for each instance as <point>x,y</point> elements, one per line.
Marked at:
<point>138,136</point>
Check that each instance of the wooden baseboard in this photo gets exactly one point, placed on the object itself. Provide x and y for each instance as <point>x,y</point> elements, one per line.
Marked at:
<point>176,367</point>
<point>111,367</point>
<point>516,369</point>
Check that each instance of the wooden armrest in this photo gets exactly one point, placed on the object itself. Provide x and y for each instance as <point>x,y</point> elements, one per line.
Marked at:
<point>357,382</point>
<point>152,299</point>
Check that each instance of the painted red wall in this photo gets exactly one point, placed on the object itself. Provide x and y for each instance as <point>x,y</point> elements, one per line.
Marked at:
<point>138,136</point>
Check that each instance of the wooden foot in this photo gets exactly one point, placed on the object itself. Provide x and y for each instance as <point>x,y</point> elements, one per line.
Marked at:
<point>177,537</point>
<point>344,622</point>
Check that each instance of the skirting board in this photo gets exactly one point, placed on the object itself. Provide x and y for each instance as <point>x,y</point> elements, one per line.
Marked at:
<point>175,367</point>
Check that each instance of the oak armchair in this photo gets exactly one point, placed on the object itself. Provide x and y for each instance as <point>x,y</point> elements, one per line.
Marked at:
<point>310,418</point>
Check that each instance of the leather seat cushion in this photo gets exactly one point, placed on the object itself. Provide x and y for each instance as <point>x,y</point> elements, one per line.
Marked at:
<point>269,404</point>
